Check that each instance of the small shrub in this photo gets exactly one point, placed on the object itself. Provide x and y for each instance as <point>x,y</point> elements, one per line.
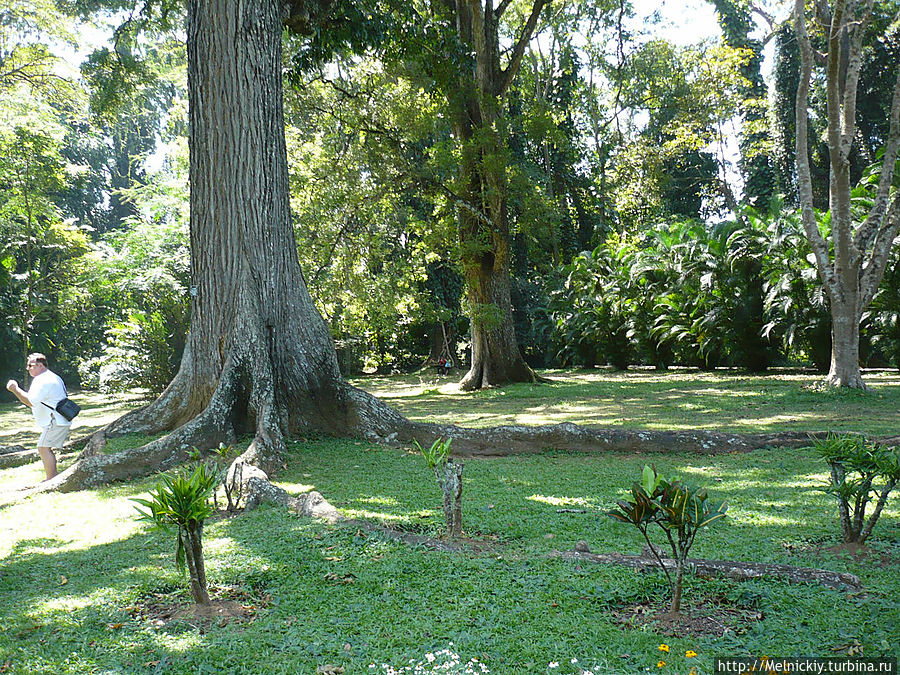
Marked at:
<point>233,482</point>
<point>449,477</point>
<point>678,509</point>
<point>184,501</point>
<point>861,472</point>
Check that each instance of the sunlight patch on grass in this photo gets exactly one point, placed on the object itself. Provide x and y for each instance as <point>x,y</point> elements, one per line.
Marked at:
<point>380,501</point>
<point>762,518</point>
<point>376,515</point>
<point>561,501</point>
<point>296,488</point>
<point>70,516</point>
<point>679,399</point>
<point>71,603</point>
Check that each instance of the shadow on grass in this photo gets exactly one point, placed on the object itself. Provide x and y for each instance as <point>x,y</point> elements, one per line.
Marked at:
<point>538,503</point>
<point>339,596</point>
<point>726,401</point>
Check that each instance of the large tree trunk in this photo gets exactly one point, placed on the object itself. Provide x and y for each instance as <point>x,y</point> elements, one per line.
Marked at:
<point>483,220</point>
<point>496,358</point>
<point>852,263</point>
<point>844,371</point>
<point>259,358</point>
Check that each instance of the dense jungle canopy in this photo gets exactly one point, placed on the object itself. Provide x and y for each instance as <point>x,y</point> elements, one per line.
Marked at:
<point>504,186</point>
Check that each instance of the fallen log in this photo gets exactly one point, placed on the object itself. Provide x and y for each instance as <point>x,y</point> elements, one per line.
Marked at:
<point>731,569</point>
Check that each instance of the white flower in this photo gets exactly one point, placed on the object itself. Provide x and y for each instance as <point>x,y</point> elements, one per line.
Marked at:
<point>553,664</point>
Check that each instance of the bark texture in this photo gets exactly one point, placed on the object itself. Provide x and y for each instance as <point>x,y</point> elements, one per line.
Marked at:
<point>449,477</point>
<point>16,455</point>
<point>852,263</point>
<point>259,358</point>
<point>191,536</point>
<point>476,103</point>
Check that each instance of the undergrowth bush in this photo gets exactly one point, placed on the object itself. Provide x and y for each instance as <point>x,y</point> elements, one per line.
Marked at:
<point>185,502</point>
<point>679,510</point>
<point>861,472</point>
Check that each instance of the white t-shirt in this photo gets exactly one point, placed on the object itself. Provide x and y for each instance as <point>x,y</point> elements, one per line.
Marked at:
<point>47,388</point>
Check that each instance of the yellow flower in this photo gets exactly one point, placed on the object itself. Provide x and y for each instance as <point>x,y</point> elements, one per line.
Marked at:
<point>660,664</point>
<point>693,670</point>
<point>690,653</point>
<point>664,648</point>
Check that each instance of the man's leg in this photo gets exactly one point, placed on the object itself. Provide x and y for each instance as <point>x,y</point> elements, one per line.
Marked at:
<point>48,457</point>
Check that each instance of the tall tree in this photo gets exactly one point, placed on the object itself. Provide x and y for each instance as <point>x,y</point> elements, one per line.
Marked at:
<point>484,237</point>
<point>259,358</point>
<point>852,261</point>
<point>735,19</point>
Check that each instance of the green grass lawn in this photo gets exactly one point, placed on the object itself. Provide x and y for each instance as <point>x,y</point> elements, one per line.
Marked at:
<point>74,567</point>
<point>648,399</point>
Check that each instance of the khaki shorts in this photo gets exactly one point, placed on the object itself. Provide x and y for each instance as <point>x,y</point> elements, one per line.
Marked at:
<point>54,436</point>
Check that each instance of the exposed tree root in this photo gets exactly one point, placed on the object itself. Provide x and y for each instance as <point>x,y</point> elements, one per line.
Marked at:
<point>173,408</point>
<point>16,455</point>
<point>358,414</point>
<point>512,440</point>
<point>730,569</point>
<point>159,455</point>
<point>260,490</point>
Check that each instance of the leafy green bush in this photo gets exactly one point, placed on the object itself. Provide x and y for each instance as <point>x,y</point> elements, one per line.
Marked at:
<point>678,509</point>
<point>856,466</point>
<point>184,501</point>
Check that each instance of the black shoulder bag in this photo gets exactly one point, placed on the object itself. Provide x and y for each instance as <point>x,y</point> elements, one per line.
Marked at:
<point>67,408</point>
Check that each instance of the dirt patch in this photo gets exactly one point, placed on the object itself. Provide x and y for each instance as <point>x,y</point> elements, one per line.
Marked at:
<point>706,619</point>
<point>227,604</point>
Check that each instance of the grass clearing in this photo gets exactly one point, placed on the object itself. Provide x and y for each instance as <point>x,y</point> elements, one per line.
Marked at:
<point>73,567</point>
<point>723,400</point>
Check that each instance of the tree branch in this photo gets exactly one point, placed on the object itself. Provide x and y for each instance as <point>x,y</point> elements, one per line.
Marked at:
<point>876,215</point>
<point>804,178</point>
<point>871,274</point>
<point>509,73</point>
<point>848,121</point>
<point>501,8</point>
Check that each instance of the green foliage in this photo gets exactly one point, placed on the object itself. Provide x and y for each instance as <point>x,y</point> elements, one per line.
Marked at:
<point>40,252</point>
<point>678,509</point>
<point>436,455</point>
<point>182,500</point>
<point>365,151</point>
<point>685,293</point>
<point>601,308</point>
<point>856,466</point>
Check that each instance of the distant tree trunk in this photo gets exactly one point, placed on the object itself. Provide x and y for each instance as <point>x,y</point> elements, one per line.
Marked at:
<point>852,264</point>
<point>736,22</point>
<point>483,218</point>
<point>844,370</point>
<point>443,341</point>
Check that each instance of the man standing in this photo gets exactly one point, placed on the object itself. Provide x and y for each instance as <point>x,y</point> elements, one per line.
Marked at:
<point>46,390</point>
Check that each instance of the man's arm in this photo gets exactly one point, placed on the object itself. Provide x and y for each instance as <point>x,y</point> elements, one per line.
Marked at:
<point>18,392</point>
